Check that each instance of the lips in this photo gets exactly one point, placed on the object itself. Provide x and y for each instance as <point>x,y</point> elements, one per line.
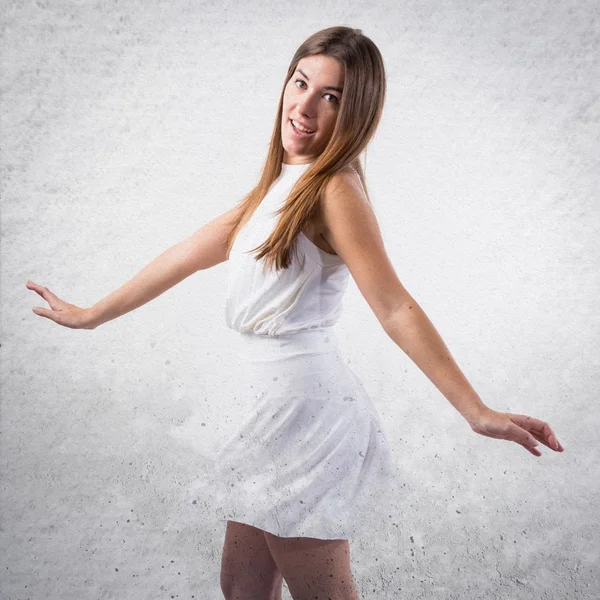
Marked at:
<point>299,132</point>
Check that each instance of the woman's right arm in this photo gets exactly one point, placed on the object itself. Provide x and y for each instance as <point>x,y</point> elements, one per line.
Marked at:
<point>203,249</point>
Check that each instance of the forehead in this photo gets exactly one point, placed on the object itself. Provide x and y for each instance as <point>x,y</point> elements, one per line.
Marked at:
<point>322,69</point>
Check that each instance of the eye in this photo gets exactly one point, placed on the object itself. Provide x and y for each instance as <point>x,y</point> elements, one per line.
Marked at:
<point>335,99</point>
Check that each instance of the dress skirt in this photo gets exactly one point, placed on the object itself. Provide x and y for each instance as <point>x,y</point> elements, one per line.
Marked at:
<point>310,458</point>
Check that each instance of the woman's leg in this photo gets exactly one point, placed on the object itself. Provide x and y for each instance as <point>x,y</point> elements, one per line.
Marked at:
<point>248,571</point>
<point>314,568</point>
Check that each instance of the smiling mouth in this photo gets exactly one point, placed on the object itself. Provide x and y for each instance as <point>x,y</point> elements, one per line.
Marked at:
<point>299,131</point>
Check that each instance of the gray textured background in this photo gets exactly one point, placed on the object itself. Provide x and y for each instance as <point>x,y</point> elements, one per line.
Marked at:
<point>128,125</point>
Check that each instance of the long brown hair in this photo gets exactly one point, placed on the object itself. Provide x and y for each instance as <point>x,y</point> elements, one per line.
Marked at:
<point>359,114</point>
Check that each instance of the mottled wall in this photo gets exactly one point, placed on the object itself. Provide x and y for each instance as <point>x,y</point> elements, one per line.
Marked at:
<point>128,125</point>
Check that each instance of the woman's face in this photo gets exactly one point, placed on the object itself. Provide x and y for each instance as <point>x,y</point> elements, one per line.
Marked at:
<point>311,98</point>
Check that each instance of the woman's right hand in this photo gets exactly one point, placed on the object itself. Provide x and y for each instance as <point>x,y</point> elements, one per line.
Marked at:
<point>62,312</point>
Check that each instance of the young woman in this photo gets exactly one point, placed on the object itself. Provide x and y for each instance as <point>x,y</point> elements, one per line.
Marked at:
<point>309,458</point>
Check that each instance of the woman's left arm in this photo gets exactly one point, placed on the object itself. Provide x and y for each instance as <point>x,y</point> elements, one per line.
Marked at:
<point>410,328</point>
<point>351,228</point>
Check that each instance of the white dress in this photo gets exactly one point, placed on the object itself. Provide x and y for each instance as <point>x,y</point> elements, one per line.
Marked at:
<point>310,458</point>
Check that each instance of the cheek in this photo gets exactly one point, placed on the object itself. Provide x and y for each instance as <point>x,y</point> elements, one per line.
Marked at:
<point>287,107</point>
<point>329,124</point>
<point>288,95</point>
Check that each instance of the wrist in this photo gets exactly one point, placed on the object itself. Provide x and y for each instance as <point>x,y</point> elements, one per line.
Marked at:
<point>92,318</point>
<point>473,411</point>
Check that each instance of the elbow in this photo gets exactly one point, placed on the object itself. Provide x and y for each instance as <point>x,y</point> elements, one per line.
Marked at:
<point>390,313</point>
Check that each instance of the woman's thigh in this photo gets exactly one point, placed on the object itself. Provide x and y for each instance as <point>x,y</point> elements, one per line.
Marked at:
<point>248,570</point>
<point>314,568</point>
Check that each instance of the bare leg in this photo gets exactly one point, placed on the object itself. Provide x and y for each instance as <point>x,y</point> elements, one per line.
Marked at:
<point>248,571</point>
<point>314,568</point>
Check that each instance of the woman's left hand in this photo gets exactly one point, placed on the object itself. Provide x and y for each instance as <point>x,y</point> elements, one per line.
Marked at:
<point>521,429</point>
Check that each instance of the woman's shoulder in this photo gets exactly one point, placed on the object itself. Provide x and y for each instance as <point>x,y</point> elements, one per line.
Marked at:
<point>346,176</point>
<point>343,184</point>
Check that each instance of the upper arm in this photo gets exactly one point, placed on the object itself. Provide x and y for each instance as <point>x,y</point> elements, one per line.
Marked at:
<point>351,228</point>
<point>206,247</point>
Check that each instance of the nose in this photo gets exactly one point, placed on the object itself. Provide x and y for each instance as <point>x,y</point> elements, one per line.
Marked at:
<point>306,105</point>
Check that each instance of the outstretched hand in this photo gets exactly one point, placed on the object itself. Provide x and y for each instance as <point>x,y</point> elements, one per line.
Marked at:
<point>60,312</point>
<point>522,429</point>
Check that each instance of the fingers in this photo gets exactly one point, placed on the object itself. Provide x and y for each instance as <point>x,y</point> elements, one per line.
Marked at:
<point>555,444</point>
<point>548,438</point>
<point>44,312</point>
<point>48,296</point>
<point>537,428</point>
<point>57,316</point>
<point>517,431</point>
<point>31,285</point>
<point>522,429</point>
<point>53,300</point>
<point>39,289</point>
<point>531,450</point>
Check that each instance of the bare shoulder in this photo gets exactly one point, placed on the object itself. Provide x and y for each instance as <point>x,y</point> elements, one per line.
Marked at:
<point>344,199</point>
<point>351,228</point>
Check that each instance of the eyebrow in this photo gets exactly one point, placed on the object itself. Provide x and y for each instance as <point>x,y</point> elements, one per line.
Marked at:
<point>325,87</point>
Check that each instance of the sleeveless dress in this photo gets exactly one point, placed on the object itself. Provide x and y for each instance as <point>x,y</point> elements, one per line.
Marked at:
<point>310,458</point>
